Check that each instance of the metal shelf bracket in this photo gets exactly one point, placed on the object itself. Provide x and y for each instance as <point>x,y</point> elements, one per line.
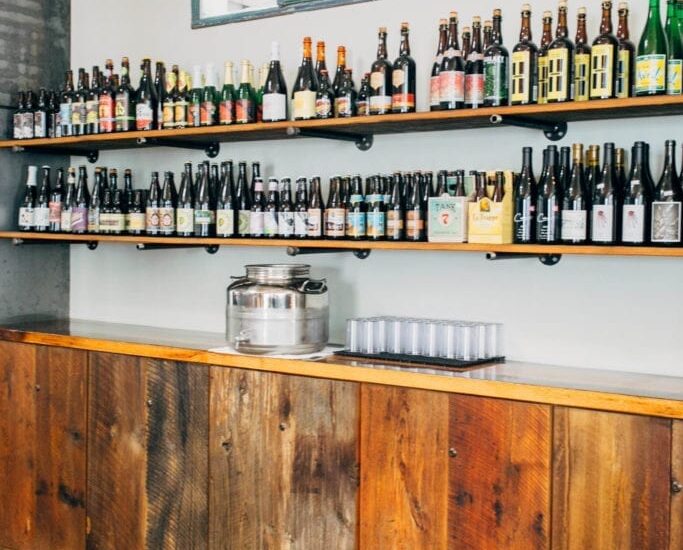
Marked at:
<point>91,154</point>
<point>92,245</point>
<point>210,249</point>
<point>554,131</point>
<point>545,259</point>
<point>360,253</point>
<point>211,149</point>
<point>363,141</point>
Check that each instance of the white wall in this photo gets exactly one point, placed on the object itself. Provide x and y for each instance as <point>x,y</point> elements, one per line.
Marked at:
<point>619,313</point>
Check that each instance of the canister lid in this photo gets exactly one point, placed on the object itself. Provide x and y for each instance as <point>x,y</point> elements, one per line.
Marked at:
<point>277,273</point>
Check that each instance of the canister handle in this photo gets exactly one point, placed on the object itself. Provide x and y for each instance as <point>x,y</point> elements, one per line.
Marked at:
<point>314,286</point>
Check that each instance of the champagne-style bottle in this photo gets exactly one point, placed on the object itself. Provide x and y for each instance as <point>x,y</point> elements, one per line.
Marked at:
<point>627,55</point>
<point>575,202</point>
<point>305,86</point>
<point>381,83</point>
<point>243,201</point>
<point>496,67</point>
<point>203,218</point>
<point>40,115</point>
<point>167,206</point>
<point>403,76</point>
<point>543,66</point>
<point>275,89</point>
<point>452,73</point>
<point>320,61</point>
<point>561,61</point>
<point>225,203</point>
<point>666,204</point>
<point>57,203</point>
<point>636,209</point>
<point>226,107</point>
<point>245,108</point>
<point>208,111</point>
<point>41,220</point>
<point>582,60</point>
<point>604,58</point>
<point>524,80</point>
<point>652,55</point>
<point>434,89</point>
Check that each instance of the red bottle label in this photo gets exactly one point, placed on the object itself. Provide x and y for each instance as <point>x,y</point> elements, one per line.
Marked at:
<point>225,112</point>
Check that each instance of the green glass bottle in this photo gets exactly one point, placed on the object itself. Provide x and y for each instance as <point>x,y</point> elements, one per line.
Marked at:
<point>652,54</point>
<point>674,80</point>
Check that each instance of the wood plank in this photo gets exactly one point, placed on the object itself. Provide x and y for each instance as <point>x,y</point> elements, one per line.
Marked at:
<point>283,458</point>
<point>677,476</point>
<point>611,481</point>
<point>42,447</point>
<point>147,458</point>
<point>500,478</point>
<point>404,469</point>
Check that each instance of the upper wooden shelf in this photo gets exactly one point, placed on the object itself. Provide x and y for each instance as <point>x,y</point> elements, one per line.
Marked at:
<point>551,118</point>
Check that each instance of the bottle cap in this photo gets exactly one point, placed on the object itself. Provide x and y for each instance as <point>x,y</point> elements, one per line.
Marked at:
<point>582,11</point>
<point>476,20</point>
<point>547,15</point>
<point>526,7</point>
<point>454,15</point>
<point>383,30</point>
<point>623,5</point>
<point>466,30</point>
<point>443,21</point>
<point>563,4</point>
<point>497,12</point>
<point>488,23</point>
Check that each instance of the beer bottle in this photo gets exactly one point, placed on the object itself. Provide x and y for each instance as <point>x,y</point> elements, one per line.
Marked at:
<point>125,108</point>
<point>315,210</point>
<point>381,85</point>
<point>415,214</point>
<point>127,197</point>
<point>548,202</point>
<point>543,66</point>
<point>69,196</point>
<point>627,55</point>
<point>565,169</point>
<point>320,62</point>
<point>496,67</point>
<point>243,201</point>
<point>258,206</point>
<point>161,90</point>
<point>106,102</point>
<point>285,218</point>
<point>621,170</point>
<point>167,206</point>
<point>574,203</point>
<point>345,102</point>
<point>474,73</point>
<point>225,205</point>
<point>41,212</point>
<point>54,127</point>
<point>117,224</point>
<point>674,36</point>
<point>488,35</point>
<point>145,101</point>
<point>207,109</point>
<point>376,216</point>
<point>275,89</point>
<point>202,205</point>
<point>245,109</point>
<point>459,190</point>
<point>92,110</point>
<point>168,99</point>
<point>271,209</point>
<point>604,58</point>
<point>403,76</point>
<point>95,210</point>
<point>152,225</point>
<point>18,118</point>
<point>185,206</point>
<point>394,212</point>
<point>635,227</point>
<point>57,203</point>
<point>434,87</point>
<point>466,45</point>
<point>181,102</point>
<point>666,205</point>
<point>263,74</point>
<point>524,80</point>
<point>363,97</point>
<point>78,112</point>
<point>40,115</point>
<point>499,189</point>
<point>305,86</point>
<point>136,214</point>
<point>356,211</point>
<point>79,209</point>
<point>324,98</point>
<point>604,221</point>
<point>341,67</point>
<point>66,100</point>
<point>582,60</point>
<point>195,97</point>
<point>652,55</point>
<point>27,120</point>
<point>525,201</point>
<point>561,61</point>
<point>226,108</point>
<point>301,209</point>
<point>452,73</point>
<point>335,219</point>
<point>105,213</point>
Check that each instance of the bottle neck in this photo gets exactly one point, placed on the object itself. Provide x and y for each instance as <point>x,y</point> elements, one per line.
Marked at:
<point>606,22</point>
<point>405,44</point>
<point>341,59</point>
<point>244,79</point>
<point>497,34</point>
<point>547,37</point>
<point>562,30</point>
<point>525,32</point>
<point>228,75</point>
<point>443,40</point>
<point>453,35</point>
<point>623,30</point>
<point>476,39</point>
<point>581,35</point>
<point>382,46</point>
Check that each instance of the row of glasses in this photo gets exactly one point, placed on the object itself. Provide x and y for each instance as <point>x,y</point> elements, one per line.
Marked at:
<point>463,340</point>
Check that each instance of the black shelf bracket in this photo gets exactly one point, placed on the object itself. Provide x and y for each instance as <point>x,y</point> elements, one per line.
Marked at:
<point>211,149</point>
<point>92,245</point>
<point>363,141</point>
<point>360,253</point>
<point>554,131</point>
<point>211,249</point>
<point>545,259</point>
<point>91,154</point>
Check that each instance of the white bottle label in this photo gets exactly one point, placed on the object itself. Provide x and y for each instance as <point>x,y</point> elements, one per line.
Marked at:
<point>304,104</point>
<point>633,228</point>
<point>256,223</point>
<point>274,107</point>
<point>314,222</point>
<point>41,216</point>
<point>285,224</point>
<point>602,223</point>
<point>225,223</point>
<point>270,225</point>
<point>301,224</point>
<point>66,221</point>
<point>574,225</point>
<point>26,217</point>
<point>666,222</point>
<point>184,220</point>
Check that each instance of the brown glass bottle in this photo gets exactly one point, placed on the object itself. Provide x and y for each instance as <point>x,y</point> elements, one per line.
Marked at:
<point>626,61</point>
<point>561,61</point>
<point>381,84</point>
<point>582,60</point>
<point>604,58</point>
<point>452,73</point>
<point>403,76</point>
<point>524,87</point>
<point>474,71</point>
<point>434,91</point>
<point>546,39</point>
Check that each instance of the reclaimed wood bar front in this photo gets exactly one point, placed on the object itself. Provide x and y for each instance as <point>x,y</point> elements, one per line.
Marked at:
<point>116,436</point>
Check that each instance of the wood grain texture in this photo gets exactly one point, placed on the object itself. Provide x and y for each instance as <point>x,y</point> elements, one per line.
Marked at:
<point>677,476</point>
<point>42,447</point>
<point>283,458</point>
<point>611,481</point>
<point>500,478</point>
<point>147,458</point>
<point>404,469</point>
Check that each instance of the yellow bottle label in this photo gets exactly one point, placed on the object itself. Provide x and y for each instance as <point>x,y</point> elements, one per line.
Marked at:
<point>543,79</point>
<point>602,71</point>
<point>558,75</point>
<point>624,74</point>
<point>650,74</point>
<point>582,74</point>
<point>521,77</point>
<point>675,77</point>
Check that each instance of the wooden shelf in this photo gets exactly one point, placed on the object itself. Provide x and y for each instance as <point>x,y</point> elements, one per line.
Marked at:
<point>353,129</point>
<point>512,249</point>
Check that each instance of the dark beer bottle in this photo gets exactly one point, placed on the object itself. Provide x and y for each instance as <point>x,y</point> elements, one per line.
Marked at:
<point>394,212</point>
<point>125,109</point>
<point>574,202</point>
<point>107,104</point>
<point>225,205</point>
<point>474,72</point>
<point>525,201</point>
<point>258,206</point>
<point>636,211</point>
<point>95,210</point>
<point>375,216</point>
<point>434,82</point>
<point>272,207</point>
<point>92,107</point>
<point>275,89</point>
<point>626,63</point>
<point>561,61</point>
<point>243,201</point>
<point>499,188</point>
<point>185,206</point>
<point>403,76</point>
<point>548,203</point>
<point>356,210</point>
<point>604,58</point>
<point>169,202</point>
<point>285,219</point>
<point>335,219</point>
<point>181,103</point>
<point>209,100</point>
<point>136,214</point>
<point>117,214</point>
<point>79,209</point>
<point>582,60</point>
<point>41,216</point>
<point>543,66</point>
<point>69,196</point>
<point>145,100</point>
<point>40,115</point>
<point>320,61</point>
<point>496,67</point>
<point>57,202</point>
<point>341,67</point>
<point>66,100</point>
<point>345,102</point>
<point>152,225</point>
<point>381,84</point>
<point>324,98</point>
<point>524,80</point>
<point>105,212</point>
<point>452,73</point>
<point>78,112</point>
<point>301,209</point>
<point>415,215</point>
<point>305,86</point>
<point>315,210</point>
<point>162,92</point>
<point>202,206</point>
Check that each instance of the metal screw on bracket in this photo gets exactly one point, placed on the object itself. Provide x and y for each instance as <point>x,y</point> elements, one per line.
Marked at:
<point>676,486</point>
<point>452,452</point>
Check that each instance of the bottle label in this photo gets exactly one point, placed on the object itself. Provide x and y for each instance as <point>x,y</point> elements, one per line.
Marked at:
<point>624,74</point>
<point>414,224</point>
<point>226,111</point>
<point>524,219</point>
<point>474,89</point>
<point>582,69</point>
<point>452,87</point>
<point>55,215</point>
<point>185,220</point>
<point>434,91</point>
<point>398,77</point>
<point>285,222</point>
<point>207,113</point>
<point>243,222</point>
<point>225,222</point>
<point>543,79</point>
<point>355,224</point>
<point>558,75</point>
<point>202,220</point>
<point>380,104</point>
<point>65,110</point>
<point>195,115</point>
<point>301,224</point>
<point>323,107</point>
<point>375,224</point>
<point>674,73</point>
<point>574,225</point>
<point>93,220</point>
<point>92,111</point>
<point>602,223</point>
<point>104,222</point>
<point>144,116</point>
<point>181,113</point>
<point>136,221</point>
<point>167,220</point>
<point>106,114</point>
<point>304,104</point>
<point>521,77</point>
<point>243,111</point>
<point>633,226</point>
<point>343,106</point>
<point>335,222</point>
<point>18,120</point>
<point>66,221</point>
<point>39,124</point>
<point>152,219</point>
<point>547,222</point>
<point>168,114</point>
<point>315,222</point>
<point>77,112</point>
<point>270,223</point>
<point>496,79</point>
<point>256,224</point>
<point>274,107</point>
<point>602,71</point>
<point>362,107</point>
<point>41,217</point>
<point>79,219</point>
<point>122,110</point>
<point>403,101</point>
<point>394,224</point>
<point>117,222</point>
<point>666,222</point>
<point>650,73</point>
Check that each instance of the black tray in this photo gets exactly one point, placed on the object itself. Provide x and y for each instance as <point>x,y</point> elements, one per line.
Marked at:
<point>423,361</point>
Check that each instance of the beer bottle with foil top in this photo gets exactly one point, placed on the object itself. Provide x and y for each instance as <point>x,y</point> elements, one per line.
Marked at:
<point>145,101</point>
<point>263,74</point>
<point>305,86</point>
<point>335,213</point>
<point>168,102</point>
<point>225,203</point>
<point>195,96</point>
<point>345,102</point>
<point>474,73</point>
<point>403,76</point>
<point>185,205</point>
<point>78,112</point>
<point>274,89</point>
<point>651,63</point>
<point>57,202</point>
<point>181,102</point>
<point>40,118</point>
<point>245,109</point>
<point>324,97</point>
<point>575,202</point>
<point>320,61</point>
<point>488,35</point>
<point>341,66</point>
<point>674,36</point>
<point>226,105</point>
<point>626,62</point>
<point>543,68</point>
<point>636,210</point>
<point>496,66</point>
<point>561,61</point>
<point>92,110</point>
<point>582,60</point>
<point>604,58</point>
<point>525,201</point>
<point>41,219</point>
<point>381,83</point>
<point>207,113</point>
<point>434,91</point>
<point>106,102</point>
<point>666,204</point>
<point>524,80</point>
<point>363,97</point>
<point>452,73</point>
<point>125,101</point>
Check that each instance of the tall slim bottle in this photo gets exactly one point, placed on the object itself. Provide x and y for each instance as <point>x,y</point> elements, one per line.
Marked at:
<point>243,201</point>
<point>66,100</point>
<point>167,207</point>
<point>225,205</point>
<point>434,97</point>
<point>341,67</point>
<point>627,55</point>
<point>92,107</point>
<point>474,72</point>
<point>145,100</point>
<point>561,61</point>
<point>79,208</point>
<point>604,58</point>
<point>203,226</point>
<point>674,78</point>
<point>285,217</point>
<point>125,101</point>
<point>452,73</point>
<point>226,106</point>
<point>652,55</point>
<point>185,207</point>
<point>381,83</point>
<point>107,108</point>
<point>305,86</point>
<point>605,214</point>
<point>403,77</point>
<point>525,201</point>
<point>582,60</point>
<point>320,61</point>
<point>208,111</point>
<point>315,210</point>
<point>181,102</point>
<point>152,221</point>
<point>245,107</point>
<point>574,202</point>
<point>496,67</point>
<point>666,204</point>
<point>546,40</point>
<point>335,214</point>
<point>57,202</point>
<point>524,80</point>
<point>636,209</point>
<point>301,209</point>
<point>275,89</point>
<point>548,202</point>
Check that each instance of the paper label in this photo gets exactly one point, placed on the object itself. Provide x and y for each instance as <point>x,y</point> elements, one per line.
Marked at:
<point>496,79</point>
<point>26,217</point>
<point>650,73</point>
<point>144,116</point>
<point>185,220</point>
<point>624,74</point>
<point>452,87</point>
<point>434,93</point>
<point>106,114</point>
<point>256,224</point>
<point>152,220</point>
<point>602,223</point>
<point>274,107</point>
<point>226,112</point>
<point>521,77</point>
<point>285,223</point>
<point>542,78</point>
<point>355,224</point>
<point>633,225</point>
<point>301,224</point>
<point>666,222</point>
<point>558,75</point>
<point>375,224</point>
<point>335,222</point>
<point>315,222</point>
<point>602,71</point>
<point>582,65</point>
<point>243,222</point>
<point>225,223</point>
<point>474,89</point>
<point>574,225</point>
<point>674,77</point>
<point>136,221</point>
<point>41,217</point>
<point>304,104</point>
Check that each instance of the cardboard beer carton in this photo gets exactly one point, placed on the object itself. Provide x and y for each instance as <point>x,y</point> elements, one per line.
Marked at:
<point>491,222</point>
<point>448,215</point>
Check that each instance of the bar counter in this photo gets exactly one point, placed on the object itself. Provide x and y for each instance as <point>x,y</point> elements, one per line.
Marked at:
<point>651,395</point>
